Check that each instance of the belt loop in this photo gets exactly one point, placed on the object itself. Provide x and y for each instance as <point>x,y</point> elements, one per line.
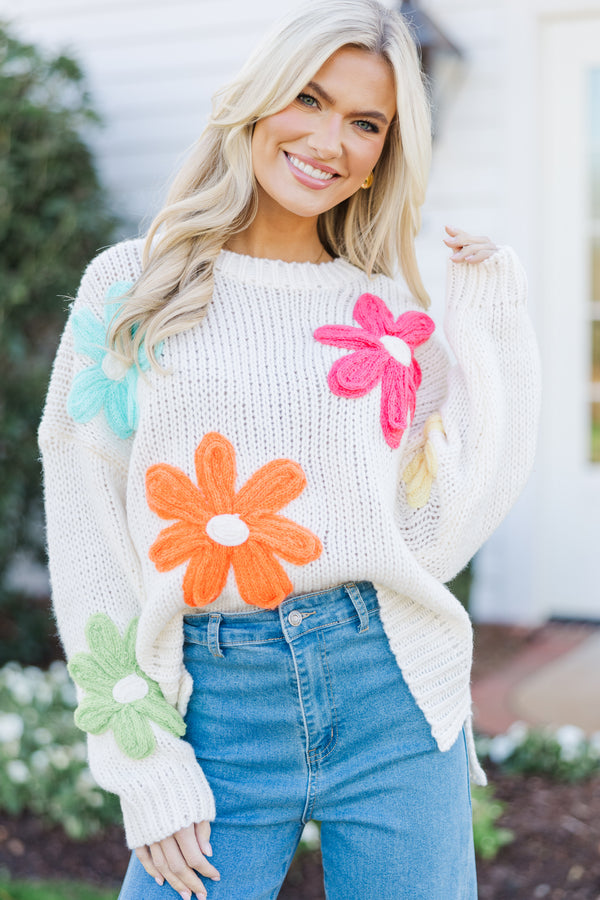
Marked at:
<point>359,606</point>
<point>213,634</point>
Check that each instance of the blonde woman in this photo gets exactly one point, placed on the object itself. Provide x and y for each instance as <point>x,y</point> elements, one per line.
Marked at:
<point>260,471</point>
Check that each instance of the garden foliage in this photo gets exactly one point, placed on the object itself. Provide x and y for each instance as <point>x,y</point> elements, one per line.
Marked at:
<point>53,219</point>
<point>565,753</point>
<point>43,766</point>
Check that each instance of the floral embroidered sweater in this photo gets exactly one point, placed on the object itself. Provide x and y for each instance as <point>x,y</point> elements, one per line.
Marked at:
<point>310,432</point>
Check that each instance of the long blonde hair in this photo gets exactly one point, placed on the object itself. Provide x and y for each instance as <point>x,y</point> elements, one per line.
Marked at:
<point>214,195</point>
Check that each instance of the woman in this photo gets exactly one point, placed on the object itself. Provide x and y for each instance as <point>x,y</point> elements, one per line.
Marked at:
<point>260,469</point>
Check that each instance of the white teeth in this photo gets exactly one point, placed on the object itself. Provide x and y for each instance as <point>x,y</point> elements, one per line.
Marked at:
<point>314,173</point>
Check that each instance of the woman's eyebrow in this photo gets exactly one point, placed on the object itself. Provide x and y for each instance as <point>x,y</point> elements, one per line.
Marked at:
<point>366,114</point>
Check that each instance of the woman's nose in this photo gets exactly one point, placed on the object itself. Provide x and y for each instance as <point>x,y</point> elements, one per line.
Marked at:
<point>326,139</point>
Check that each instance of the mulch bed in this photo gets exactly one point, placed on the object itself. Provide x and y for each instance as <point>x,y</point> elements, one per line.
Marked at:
<point>555,854</point>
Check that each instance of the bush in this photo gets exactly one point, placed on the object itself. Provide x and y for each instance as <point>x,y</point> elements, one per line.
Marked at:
<point>565,753</point>
<point>43,766</point>
<point>487,836</point>
<point>53,219</point>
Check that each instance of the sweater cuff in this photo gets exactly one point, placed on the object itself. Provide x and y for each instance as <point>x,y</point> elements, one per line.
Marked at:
<point>174,798</point>
<point>499,280</point>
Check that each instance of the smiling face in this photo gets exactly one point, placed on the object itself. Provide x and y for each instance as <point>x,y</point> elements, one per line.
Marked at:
<point>318,151</point>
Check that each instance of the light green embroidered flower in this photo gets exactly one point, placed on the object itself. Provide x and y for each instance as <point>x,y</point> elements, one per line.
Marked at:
<point>118,693</point>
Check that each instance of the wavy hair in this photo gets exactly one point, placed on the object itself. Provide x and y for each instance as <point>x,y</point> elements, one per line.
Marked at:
<point>214,195</point>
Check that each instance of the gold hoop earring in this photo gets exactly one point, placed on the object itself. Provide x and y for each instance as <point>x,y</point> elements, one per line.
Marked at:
<point>367,182</point>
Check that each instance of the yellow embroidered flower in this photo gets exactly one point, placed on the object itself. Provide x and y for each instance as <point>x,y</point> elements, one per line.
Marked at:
<point>419,474</point>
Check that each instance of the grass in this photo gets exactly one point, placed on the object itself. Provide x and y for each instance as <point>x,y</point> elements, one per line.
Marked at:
<point>52,890</point>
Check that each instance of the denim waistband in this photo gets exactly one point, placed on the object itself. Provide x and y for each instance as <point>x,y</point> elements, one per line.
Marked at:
<point>290,620</point>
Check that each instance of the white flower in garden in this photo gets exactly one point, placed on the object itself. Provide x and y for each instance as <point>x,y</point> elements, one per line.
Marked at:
<point>482,743</point>
<point>570,739</point>
<point>95,799</point>
<point>85,782</point>
<point>60,757</point>
<point>501,747</point>
<point>311,836</point>
<point>17,771</point>
<point>68,694</point>
<point>518,732</point>
<point>42,736</point>
<point>34,675</point>
<point>79,751</point>
<point>73,827</point>
<point>21,688</point>
<point>39,760</point>
<point>11,727</point>
<point>11,749</point>
<point>594,742</point>
<point>44,693</point>
<point>58,673</point>
<point>31,716</point>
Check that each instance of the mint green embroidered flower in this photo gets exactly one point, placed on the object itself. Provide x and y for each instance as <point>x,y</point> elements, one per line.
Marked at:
<point>119,695</point>
<point>107,384</point>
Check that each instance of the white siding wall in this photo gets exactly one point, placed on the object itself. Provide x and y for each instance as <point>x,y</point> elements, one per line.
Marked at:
<point>153,66</point>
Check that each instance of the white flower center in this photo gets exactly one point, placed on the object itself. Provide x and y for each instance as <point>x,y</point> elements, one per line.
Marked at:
<point>130,688</point>
<point>114,368</point>
<point>228,530</point>
<point>397,348</point>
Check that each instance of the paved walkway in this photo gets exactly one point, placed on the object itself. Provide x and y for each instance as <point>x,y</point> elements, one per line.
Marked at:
<point>554,681</point>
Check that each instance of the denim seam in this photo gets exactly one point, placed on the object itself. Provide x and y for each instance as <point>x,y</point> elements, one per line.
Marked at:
<point>334,738</point>
<point>313,781</point>
<point>306,734</point>
<point>198,643</point>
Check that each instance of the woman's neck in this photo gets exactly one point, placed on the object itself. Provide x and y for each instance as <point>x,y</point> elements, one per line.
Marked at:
<point>278,235</point>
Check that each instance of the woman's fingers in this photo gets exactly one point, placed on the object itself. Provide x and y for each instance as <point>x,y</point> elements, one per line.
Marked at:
<point>169,861</point>
<point>178,860</point>
<point>202,836</point>
<point>469,248</point>
<point>144,856</point>
<point>191,851</point>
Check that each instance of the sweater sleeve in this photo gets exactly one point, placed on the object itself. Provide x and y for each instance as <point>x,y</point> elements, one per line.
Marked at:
<point>135,743</point>
<point>472,442</point>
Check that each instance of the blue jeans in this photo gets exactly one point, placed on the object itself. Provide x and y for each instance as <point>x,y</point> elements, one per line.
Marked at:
<point>302,713</point>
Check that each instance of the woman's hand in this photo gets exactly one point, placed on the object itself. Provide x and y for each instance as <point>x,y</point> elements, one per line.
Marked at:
<point>467,248</point>
<point>175,858</point>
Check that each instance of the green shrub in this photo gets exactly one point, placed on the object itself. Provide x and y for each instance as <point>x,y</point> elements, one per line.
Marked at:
<point>53,219</point>
<point>43,766</point>
<point>487,836</point>
<point>564,753</point>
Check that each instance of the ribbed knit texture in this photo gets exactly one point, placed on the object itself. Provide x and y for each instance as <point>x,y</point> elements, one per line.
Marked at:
<point>254,378</point>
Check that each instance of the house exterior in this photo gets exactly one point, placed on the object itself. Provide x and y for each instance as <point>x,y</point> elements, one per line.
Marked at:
<point>517,156</point>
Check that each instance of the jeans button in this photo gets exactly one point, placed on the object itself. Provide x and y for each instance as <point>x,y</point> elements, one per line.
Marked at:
<point>295,617</point>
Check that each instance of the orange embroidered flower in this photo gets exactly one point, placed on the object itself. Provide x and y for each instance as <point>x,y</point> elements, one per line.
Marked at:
<point>218,528</point>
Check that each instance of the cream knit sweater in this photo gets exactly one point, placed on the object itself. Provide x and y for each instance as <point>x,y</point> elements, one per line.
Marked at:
<point>139,467</point>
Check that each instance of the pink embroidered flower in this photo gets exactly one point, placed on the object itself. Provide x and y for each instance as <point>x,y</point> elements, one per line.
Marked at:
<point>383,352</point>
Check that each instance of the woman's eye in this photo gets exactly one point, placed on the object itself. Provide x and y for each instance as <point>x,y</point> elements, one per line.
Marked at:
<point>307,100</point>
<point>367,126</point>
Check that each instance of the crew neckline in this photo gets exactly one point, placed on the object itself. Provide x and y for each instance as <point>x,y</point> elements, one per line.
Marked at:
<point>256,269</point>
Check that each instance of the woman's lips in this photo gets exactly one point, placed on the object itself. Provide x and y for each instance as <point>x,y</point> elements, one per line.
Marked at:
<point>307,174</point>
